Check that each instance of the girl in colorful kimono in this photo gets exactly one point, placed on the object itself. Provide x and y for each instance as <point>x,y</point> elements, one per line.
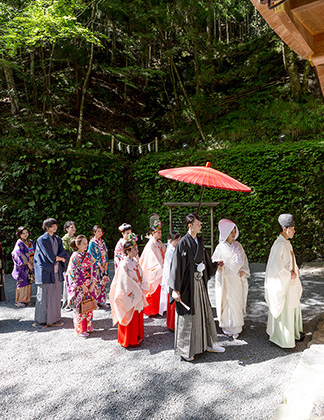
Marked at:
<point>23,272</point>
<point>127,298</point>
<point>231,279</point>
<point>82,282</point>
<point>98,249</point>
<point>152,261</point>
<point>2,274</point>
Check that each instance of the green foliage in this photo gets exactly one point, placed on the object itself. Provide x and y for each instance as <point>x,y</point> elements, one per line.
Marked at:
<point>283,178</point>
<point>87,187</point>
<point>90,188</point>
<point>40,22</point>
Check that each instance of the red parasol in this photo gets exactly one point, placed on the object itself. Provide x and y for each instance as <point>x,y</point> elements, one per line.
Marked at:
<point>206,177</point>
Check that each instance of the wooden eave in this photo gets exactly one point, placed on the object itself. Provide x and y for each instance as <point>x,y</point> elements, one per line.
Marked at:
<point>300,24</point>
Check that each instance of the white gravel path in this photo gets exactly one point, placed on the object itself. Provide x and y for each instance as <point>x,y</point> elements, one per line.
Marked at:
<point>53,374</point>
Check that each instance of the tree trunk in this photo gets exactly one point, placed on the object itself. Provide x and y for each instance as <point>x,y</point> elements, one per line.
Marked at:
<point>196,65</point>
<point>45,80</point>
<point>77,86</point>
<point>307,69</point>
<point>292,71</point>
<point>86,82</point>
<point>188,102</point>
<point>171,106</point>
<point>219,30</point>
<point>32,78</point>
<point>174,85</point>
<point>49,80</point>
<point>8,71</point>
<point>227,32</point>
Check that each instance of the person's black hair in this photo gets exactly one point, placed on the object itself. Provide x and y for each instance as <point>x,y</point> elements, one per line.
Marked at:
<point>67,225</point>
<point>49,223</point>
<point>190,218</point>
<point>127,227</point>
<point>174,235</point>
<point>95,228</point>
<point>280,227</point>
<point>20,231</point>
<point>76,242</point>
<point>127,247</point>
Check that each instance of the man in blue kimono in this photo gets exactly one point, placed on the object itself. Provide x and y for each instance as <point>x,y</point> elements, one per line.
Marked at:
<point>48,266</point>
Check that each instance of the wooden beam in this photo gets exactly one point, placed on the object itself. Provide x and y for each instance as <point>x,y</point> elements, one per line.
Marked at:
<point>320,75</point>
<point>193,204</point>
<point>286,30</point>
<point>296,27</point>
<point>302,5</point>
<point>317,59</point>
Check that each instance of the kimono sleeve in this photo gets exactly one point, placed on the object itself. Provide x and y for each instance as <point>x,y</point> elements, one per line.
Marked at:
<point>245,266</point>
<point>61,251</point>
<point>277,278</point>
<point>46,250</point>
<point>176,269</point>
<point>18,256</point>
<point>92,250</point>
<point>211,267</point>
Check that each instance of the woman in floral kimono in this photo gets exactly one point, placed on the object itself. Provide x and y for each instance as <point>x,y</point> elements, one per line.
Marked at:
<point>231,279</point>
<point>152,261</point>
<point>98,249</point>
<point>2,274</point>
<point>23,272</point>
<point>82,282</point>
<point>127,298</point>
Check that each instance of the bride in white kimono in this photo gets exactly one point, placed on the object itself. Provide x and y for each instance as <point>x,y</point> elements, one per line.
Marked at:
<point>231,280</point>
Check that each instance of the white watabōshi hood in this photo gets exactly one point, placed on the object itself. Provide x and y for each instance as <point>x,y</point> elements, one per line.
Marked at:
<point>225,227</point>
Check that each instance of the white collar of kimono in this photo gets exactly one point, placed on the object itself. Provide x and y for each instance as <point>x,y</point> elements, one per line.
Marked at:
<point>225,227</point>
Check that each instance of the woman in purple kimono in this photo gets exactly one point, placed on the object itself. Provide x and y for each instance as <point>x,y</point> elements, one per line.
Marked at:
<point>49,263</point>
<point>23,272</point>
<point>2,274</point>
<point>98,249</point>
<point>82,282</point>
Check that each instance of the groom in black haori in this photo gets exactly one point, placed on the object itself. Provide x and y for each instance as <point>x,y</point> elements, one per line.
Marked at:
<point>191,268</point>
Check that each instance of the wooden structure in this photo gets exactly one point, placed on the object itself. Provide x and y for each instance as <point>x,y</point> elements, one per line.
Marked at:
<point>300,24</point>
<point>176,220</point>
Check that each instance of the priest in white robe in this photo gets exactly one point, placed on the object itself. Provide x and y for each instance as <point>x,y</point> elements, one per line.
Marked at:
<point>231,287</point>
<point>283,288</point>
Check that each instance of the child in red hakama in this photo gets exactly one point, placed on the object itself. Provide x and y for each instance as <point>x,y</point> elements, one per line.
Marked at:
<point>152,261</point>
<point>127,298</point>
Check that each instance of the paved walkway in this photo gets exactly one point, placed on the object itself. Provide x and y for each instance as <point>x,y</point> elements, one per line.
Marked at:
<point>54,374</point>
<point>304,394</point>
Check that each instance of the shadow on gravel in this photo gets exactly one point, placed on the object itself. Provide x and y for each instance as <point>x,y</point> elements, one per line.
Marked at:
<point>14,325</point>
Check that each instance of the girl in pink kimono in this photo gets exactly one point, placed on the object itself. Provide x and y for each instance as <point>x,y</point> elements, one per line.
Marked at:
<point>152,261</point>
<point>82,282</point>
<point>127,298</point>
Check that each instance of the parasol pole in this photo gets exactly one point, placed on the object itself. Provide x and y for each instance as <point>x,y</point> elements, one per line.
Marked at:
<point>201,196</point>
